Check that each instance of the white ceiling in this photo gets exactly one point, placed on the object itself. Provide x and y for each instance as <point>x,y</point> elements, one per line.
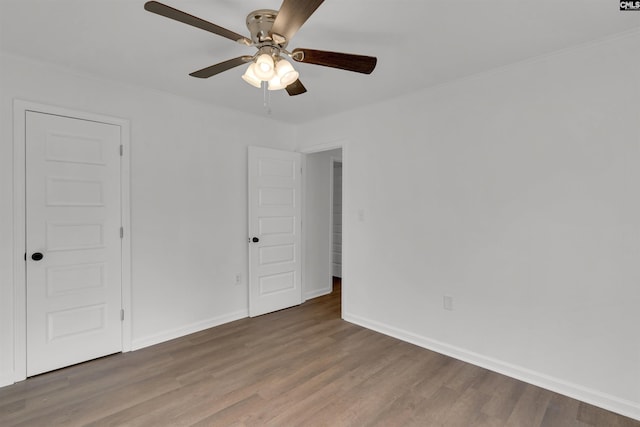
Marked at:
<point>419,43</point>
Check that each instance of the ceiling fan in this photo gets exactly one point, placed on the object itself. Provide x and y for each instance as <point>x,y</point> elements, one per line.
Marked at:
<point>271,31</point>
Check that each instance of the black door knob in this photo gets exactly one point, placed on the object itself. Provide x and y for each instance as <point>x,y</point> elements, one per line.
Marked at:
<point>37,256</point>
<point>255,240</point>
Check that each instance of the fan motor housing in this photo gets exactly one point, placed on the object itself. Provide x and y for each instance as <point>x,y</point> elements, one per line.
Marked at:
<point>259,23</point>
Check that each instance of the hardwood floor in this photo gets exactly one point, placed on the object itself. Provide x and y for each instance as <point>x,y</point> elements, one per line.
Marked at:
<point>302,366</point>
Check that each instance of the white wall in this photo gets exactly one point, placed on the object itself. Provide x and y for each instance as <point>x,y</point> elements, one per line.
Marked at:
<point>317,223</point>
<point>517,193</point>
<point>189,199</point>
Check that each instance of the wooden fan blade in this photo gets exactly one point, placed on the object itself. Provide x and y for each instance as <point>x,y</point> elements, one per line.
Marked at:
<point>296,88</point>
<point>194,21</point>
<point>344,61</point>
<point>291,16</point>
<point>222,66</point>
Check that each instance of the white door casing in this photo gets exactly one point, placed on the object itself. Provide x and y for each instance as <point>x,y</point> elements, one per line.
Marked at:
<point>275,222</point>
<point>73,218</point>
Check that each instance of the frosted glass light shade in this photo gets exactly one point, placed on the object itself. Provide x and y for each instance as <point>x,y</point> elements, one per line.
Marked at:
<point>286,73</point>
<point>265,68</point>
<point>276,84</point>
<point>250,77</point>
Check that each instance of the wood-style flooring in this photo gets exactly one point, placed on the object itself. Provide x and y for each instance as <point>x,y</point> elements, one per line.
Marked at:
<point>298,367</point>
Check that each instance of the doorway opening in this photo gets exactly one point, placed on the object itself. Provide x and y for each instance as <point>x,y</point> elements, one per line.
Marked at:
<point>323,229</point>
<point>336,218</point>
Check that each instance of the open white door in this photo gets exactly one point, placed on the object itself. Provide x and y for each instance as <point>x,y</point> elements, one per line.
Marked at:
<point>274,230</point>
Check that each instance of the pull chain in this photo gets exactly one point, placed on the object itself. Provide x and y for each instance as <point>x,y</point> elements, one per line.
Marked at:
<point>267,98</point>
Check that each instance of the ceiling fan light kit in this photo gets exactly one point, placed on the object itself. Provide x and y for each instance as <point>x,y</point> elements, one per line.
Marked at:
<point>271,32</point>
<point>264,67</point>
<point>286,72</point>
<point>276,84</point>
<point>250,76</point>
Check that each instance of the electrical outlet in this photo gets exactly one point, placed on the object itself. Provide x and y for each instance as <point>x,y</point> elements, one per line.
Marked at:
<point>238,278</point>
<point>447,302</point>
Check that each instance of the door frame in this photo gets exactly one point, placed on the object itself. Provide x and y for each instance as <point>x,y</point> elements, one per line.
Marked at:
<point>318,148</point>
<point>20,108</point>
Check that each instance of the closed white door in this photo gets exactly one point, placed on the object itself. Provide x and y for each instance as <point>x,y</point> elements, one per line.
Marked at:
<point>274,230</point>
<point>73,241</point>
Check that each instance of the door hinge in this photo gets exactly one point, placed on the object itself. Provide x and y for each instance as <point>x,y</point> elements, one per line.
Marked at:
<point>121,150</point>
<point>122,315</point>
<point>121,232</point>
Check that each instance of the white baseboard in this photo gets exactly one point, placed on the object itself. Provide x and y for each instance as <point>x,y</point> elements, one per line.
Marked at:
<point>6,379</point>
<point>576,391</point>
<point>317,293</point>
<point>158,338</point>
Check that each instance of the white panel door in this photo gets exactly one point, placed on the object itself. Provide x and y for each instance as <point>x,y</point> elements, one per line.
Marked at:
<point>73,241</point>
<point>274,230</point>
